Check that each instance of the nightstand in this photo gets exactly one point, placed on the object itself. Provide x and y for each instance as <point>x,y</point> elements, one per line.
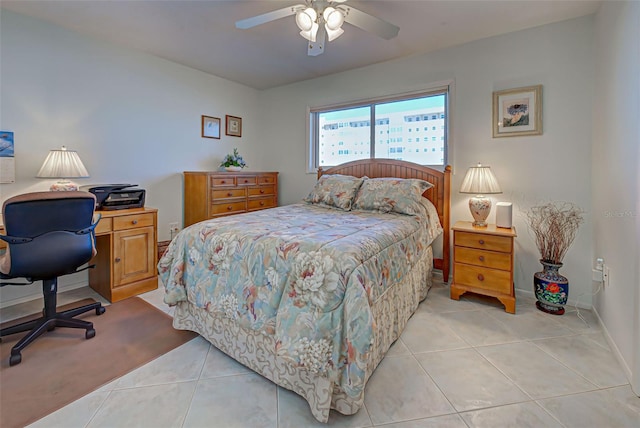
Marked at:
<point>483,262</point>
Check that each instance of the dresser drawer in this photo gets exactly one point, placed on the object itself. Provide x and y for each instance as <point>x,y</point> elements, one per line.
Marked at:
<point>217,194</point>
<point>483,242</point>
<point>222,181</point>
<point>266,179</point>
<point>132,221</point>
<point>489,259</point>
<point>228,208</point>
<point>484,278</point>
<point>245,180</point>
<point>262,191</point>
<point>261,203</point>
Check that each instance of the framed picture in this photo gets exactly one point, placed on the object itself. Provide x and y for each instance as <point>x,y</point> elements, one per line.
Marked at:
<point>517,112</point>
<point>211,127</point>
<point>234,126</point>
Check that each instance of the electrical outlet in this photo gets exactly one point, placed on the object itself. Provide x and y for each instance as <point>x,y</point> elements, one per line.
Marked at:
<point>174,228</point>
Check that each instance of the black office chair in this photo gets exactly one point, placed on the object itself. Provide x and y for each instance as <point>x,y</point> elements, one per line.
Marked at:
<point>49,234</point>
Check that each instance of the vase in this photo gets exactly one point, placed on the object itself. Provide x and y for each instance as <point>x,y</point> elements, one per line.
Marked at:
<point>551,288</point>
<point>233,168</point>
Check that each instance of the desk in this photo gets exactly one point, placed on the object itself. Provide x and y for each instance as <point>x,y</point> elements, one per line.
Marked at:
<point>127,253</point>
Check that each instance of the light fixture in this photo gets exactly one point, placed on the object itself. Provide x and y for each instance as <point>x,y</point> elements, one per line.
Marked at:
<point>480,181</point>
<point>309,22</point>
<point>63,164</point>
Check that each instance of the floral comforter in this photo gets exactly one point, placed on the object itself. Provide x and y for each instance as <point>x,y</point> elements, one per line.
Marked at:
<point>303,273</point>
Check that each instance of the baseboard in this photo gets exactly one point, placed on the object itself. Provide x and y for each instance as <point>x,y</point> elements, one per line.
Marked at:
<point>37,292</point>
<point>614,348</point>
<point>571,303</point>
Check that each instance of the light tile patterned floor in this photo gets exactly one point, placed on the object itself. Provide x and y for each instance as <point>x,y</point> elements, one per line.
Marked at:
<point>457,364</point>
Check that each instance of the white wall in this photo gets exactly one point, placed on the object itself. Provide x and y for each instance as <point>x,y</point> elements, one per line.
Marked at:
<point>553,166</point>
<point>132,117</point>
<point>616,181</point>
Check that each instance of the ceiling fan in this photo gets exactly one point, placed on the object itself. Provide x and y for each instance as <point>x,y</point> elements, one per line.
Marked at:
<point>321,20</point>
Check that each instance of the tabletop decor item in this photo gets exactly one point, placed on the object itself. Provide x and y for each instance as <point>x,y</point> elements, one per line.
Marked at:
<point>233,162</point>
<point>480,181</point>
<point>554,226</point>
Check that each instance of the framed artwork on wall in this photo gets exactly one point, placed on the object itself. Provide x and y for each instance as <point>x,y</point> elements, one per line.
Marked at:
<point>517,112</point>
<point>211,127</point>
<point>234,126</point>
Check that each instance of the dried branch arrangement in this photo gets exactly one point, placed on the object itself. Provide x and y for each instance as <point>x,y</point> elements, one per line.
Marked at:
<point>554,226</point>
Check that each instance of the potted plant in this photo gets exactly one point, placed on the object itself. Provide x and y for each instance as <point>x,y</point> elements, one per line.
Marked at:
<point>554,226</point>
<point>233,162</point>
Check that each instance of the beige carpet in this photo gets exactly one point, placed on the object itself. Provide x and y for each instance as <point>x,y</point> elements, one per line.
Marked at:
<point>61,366</point>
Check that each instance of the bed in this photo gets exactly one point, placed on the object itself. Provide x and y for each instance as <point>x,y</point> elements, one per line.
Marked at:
<point>312,295</point>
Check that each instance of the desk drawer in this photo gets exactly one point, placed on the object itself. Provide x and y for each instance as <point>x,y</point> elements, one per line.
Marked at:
<point>262,191</point>
<point>484,278</point>
<point>132,221</point>
<point>218,194</point>
<point>105,225</point>
<point>228,208</point>
<point>483,242</point>
<point>490,259</point>
<point>261,203</point>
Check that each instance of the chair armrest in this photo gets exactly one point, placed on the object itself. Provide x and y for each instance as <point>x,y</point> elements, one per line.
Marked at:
<point>15,239</point>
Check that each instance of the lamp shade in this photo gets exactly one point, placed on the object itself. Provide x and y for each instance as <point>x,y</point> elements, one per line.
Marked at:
<point>480,181</point>
<point>63,164</point>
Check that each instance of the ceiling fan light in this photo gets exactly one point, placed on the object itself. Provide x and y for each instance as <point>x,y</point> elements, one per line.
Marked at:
<point>310,34</point>
<point>306,18</point>
<point>333,34</point>
<point>333,18</point>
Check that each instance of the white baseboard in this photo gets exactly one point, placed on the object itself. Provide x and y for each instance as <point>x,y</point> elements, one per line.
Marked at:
<point>36,292</point>
<point>614,348</point>
<point>570,302</point>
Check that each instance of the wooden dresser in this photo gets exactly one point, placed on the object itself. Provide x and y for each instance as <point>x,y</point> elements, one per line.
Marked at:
<point>483,262</point>
<point>215,194</point>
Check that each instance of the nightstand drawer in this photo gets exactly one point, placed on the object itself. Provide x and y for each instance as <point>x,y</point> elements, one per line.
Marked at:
<point>483,241</point>
<point>487,279</point>
<point>489,259</point>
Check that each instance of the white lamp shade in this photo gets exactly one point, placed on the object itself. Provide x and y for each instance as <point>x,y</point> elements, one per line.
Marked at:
<point>480,181</point>
<point>63,163</point>
<point>333,34</point>
<point>311,34</point>
<point>306,18</point>
<point>333,18</point>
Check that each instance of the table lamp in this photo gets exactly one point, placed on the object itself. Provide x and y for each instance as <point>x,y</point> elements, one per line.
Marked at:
<point>63,164</point>
<point>480,181</point>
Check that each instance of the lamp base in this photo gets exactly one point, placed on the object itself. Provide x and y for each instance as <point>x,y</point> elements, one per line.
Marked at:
<point>64,186</point>
<point>480,208</point>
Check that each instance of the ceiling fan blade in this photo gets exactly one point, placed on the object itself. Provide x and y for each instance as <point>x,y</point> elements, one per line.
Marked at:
<point>317,47</point>
<point>369,23</point>
<point>267,17</point>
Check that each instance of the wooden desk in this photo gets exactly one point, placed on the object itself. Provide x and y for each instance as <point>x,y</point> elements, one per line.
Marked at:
<point>127,253</point>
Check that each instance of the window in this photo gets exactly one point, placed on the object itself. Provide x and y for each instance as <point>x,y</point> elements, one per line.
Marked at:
<point>372,121</point>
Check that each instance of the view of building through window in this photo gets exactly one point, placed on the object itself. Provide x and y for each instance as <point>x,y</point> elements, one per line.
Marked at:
<point>412,130</point>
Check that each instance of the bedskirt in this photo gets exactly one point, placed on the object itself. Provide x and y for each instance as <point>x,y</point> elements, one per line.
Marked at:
<point>257,350</point>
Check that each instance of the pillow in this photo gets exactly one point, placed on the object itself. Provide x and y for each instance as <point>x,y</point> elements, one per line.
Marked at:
<point>392,194</point>
<point>335,191</point>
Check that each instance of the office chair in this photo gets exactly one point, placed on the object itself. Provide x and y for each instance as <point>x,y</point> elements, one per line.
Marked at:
<point>49,234</point>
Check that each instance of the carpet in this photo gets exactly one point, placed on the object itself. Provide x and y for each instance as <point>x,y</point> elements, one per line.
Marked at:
<point>61,366</point>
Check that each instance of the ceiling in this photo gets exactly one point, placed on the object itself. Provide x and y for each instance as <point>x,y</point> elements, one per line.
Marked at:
<point>202,35</point>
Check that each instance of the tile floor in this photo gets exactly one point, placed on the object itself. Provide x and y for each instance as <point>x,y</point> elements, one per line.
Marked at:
<point>458,364</point>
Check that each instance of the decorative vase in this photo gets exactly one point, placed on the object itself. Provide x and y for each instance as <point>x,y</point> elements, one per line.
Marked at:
<point>551,288</point>
<point>233,168</point>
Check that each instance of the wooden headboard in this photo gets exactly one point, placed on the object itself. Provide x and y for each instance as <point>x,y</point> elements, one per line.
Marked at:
<point>439,194</point>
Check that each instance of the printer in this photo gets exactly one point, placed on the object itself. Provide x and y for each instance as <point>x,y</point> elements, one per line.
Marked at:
<point>116,196</point>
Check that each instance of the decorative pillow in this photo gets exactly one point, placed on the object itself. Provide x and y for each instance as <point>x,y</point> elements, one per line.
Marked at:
<point>392,194</point>
<point>335,191</point>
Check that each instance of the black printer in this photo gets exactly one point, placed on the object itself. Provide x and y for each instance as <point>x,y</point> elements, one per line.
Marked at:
<point>116,196</point>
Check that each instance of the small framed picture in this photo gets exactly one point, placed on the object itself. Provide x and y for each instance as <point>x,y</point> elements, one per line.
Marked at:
<point>517,112</point>
<point>234,126</point>
<point>211,127</point>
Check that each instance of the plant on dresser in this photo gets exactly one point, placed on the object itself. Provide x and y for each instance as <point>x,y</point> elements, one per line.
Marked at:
<point>483,262</point>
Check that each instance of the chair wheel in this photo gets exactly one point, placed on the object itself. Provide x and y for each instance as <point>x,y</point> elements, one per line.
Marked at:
<point>90,333</point>
<point>15,359</point>
<point>101,310</point>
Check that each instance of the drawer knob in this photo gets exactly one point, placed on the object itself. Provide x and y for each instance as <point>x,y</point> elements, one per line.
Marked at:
<point>118,259</point>
<point>134,221</point>
<point>480,277</point>
<point>261,191</point>
<point>246,181</point>
<point>261,203</point>
<point>229,208</point>
<point>222,182</point>
<point>481,242</point>
<point>481,258</point>
<point>229,194</point>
